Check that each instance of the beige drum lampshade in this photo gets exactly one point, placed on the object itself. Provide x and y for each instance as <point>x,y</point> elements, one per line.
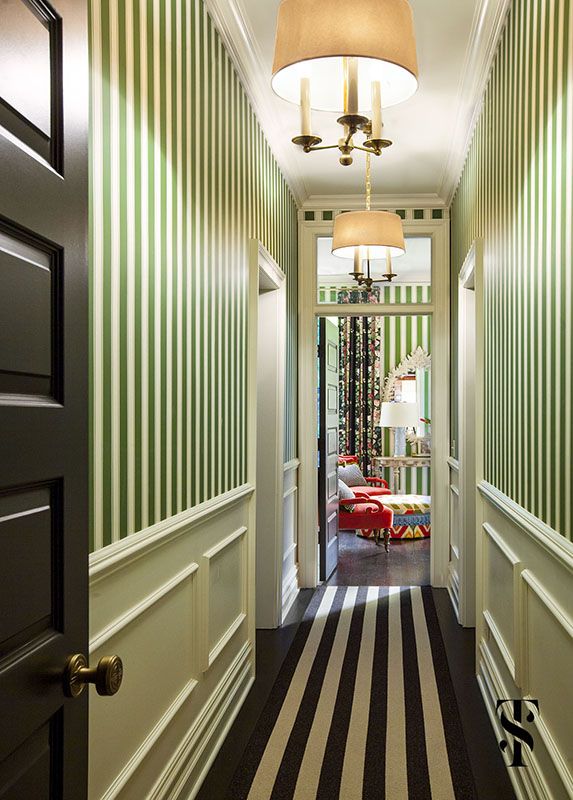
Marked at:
<point>374,231</point>
<point>313,37</point>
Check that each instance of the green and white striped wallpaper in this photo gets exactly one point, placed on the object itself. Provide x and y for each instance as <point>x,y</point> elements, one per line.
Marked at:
<point>516,192</point>
<point>181,178</point>
<point>400,336</point>
<point>394,293</point>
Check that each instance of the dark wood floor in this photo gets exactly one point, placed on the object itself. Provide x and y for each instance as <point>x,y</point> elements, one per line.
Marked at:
<point>490,774</point>
<point>362,563</point>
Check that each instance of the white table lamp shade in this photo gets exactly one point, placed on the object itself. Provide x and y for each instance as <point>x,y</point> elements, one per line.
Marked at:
<point>399,415</point>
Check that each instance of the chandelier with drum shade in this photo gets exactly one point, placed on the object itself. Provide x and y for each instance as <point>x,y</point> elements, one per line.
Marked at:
<point>351,58</point>
<point>366,236</point>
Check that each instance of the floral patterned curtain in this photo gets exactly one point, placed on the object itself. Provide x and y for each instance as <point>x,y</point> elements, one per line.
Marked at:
<point>360,349</point>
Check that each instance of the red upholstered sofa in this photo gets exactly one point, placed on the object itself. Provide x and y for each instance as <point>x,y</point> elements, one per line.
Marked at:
<point>376,487</point>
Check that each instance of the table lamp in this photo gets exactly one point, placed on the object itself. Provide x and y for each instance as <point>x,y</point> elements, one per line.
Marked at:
<point>399,416</point>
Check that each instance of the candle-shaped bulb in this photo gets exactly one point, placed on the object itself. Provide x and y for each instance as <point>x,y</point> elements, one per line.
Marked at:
<point>376,110</point>
<point>357,261</point>
<point>388,261</point>
<point>305,107</point>
<point>350,66</point>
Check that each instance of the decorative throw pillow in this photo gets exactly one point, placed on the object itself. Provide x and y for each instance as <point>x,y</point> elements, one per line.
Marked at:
<point>352,475</point>
<point>345,493</point>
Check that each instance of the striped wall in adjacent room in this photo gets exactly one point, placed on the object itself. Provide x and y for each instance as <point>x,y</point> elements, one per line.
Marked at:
<point>395,293</point>
<point>400,337</point>
<point>516,192</point>
<point>181,178</point>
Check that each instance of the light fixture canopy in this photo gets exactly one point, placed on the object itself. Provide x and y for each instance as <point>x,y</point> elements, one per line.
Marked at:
<point>314,38</point>
<point>374,232</point>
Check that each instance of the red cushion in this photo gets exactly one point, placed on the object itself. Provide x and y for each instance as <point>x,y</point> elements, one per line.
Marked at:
<point>365,517</point>
<point>373,491</point>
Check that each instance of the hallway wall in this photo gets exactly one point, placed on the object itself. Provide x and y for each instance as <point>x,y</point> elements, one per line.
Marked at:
<point>181,177</point>
<point>515,192</point>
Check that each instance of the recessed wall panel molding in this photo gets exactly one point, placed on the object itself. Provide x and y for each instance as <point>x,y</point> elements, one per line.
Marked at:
<point>501,603</point>
<point>290,570</point>
<point>167,603</point>
<point>183,178</point>
<point>526,636</point>
<point>454,560</point>
<point>548,647</point>
<point>224,571</point>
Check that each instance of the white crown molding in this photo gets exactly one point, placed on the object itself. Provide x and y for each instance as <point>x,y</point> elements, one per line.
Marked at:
<point>349,202</point>
<point>487,28</point>
<point>230,20</point>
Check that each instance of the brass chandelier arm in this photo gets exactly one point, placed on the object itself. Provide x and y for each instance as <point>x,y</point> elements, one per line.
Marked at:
<point>311,148</point>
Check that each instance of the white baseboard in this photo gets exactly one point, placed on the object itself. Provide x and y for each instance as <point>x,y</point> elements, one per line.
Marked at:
<point>290,592</point>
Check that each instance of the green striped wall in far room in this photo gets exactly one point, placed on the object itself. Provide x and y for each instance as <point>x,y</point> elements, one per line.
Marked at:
<point>394,293</point>
<point>181,178</point>
<point>401,335</point>
<point>516,192</point>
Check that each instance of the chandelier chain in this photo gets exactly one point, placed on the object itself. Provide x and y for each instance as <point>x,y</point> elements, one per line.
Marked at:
<point>368,182</point>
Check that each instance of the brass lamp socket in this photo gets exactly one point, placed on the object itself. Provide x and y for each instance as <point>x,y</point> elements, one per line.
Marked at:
<point>377,145</point>
<point>307,141</point>
<point>354,122</point>
<point>358,276</point>
<point>388,276</point>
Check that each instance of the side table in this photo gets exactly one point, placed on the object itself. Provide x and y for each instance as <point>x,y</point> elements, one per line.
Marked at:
<point>396,463</point>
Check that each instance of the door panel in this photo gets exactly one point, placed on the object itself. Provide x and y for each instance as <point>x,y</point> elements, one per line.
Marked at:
<point>328,448</point>
<point>31,76</point>
<point>43,395</point>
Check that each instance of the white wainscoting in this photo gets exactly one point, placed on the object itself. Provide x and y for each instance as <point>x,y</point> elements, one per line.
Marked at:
<point>525,636</point>
<point>453,585</point>
<point>290,587</point>
<point>173,601</point>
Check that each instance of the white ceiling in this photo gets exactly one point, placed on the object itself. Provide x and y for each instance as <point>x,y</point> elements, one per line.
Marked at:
<point>455,41</point>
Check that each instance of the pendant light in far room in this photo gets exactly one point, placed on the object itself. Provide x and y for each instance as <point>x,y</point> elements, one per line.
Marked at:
<point>368,235</point>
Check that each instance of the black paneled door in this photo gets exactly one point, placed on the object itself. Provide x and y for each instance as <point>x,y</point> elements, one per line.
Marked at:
<point>43,395</point>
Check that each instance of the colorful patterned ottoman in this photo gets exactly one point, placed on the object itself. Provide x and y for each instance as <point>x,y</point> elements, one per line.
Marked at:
<point>412,516</point>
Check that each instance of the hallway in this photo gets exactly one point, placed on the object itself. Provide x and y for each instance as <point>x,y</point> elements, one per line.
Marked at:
<point>274,272</point>
<point>478,771</point>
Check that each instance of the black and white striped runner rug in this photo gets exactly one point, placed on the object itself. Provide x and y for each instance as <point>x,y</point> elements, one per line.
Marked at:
<point>363,708</point>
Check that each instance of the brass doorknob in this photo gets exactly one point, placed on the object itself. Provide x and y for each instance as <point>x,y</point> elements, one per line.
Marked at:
<point>106,675</point>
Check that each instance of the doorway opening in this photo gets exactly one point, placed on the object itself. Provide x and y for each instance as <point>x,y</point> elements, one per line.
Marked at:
<point>269,310</point>
<point>374,449</point>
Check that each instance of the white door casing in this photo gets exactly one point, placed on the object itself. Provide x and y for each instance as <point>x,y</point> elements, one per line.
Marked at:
<point>267,311</point>
<point>470,431</point>
<point>439,311</point>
